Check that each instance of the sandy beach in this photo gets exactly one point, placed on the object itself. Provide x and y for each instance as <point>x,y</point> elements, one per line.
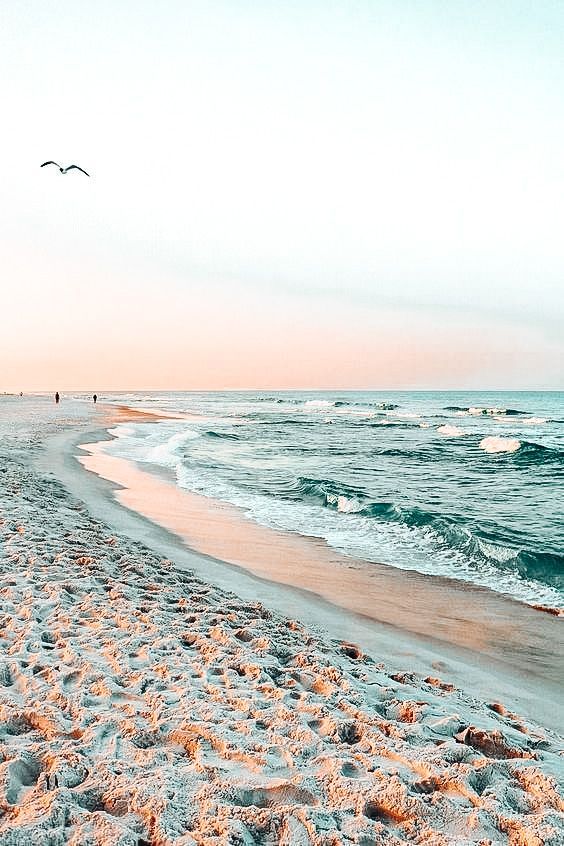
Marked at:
<point>151,695</point>
<point>282,424</point>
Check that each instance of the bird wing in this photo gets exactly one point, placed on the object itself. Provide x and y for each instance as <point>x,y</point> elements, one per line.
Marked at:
<point>46,163</point>
<point>75,167</point>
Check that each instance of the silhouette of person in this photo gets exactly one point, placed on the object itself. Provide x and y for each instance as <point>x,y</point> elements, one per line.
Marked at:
<point>57,397</point>
<point>95,397</point>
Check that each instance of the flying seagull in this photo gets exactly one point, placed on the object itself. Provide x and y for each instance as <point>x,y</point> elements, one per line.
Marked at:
<point>66,169</point>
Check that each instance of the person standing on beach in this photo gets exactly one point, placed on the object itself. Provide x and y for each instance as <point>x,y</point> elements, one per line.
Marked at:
<point>57,397</point>
<point>95,397</point>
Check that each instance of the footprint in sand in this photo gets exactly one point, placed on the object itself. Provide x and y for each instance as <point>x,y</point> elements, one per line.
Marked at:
<point>18,774</point>
<point>71,680</point>
<point>350,770</point>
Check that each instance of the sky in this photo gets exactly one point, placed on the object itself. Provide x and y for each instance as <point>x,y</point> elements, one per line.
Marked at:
<point>354,194</point>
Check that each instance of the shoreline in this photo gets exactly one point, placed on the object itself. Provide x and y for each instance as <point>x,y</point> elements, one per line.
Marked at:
<point>471,626</point>
<point>238,515</point>
<point>150,694</point>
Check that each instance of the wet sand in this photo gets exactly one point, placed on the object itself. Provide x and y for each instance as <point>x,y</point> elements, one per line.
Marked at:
<point>519,637</point>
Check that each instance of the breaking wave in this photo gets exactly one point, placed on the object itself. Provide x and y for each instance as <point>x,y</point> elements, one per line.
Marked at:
<point>526,452</point>
<point>451,431</point>
<point>475,410</point>
<point>495,443</point>
<point>447,534</point>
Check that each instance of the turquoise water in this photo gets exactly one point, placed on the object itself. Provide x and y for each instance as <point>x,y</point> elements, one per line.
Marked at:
<point>467,485</point>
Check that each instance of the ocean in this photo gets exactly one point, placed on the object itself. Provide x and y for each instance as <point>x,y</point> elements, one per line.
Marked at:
<point>467,485</point>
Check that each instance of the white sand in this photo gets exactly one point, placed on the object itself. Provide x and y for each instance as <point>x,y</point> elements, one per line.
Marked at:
<point>140,705</point>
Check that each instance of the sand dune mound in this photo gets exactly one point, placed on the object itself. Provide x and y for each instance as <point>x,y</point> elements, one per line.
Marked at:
<point>141,706</point>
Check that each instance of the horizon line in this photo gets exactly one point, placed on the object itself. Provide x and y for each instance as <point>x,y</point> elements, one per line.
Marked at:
<point>42,391</point>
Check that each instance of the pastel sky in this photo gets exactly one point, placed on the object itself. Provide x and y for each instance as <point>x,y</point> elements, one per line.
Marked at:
<point>363,194</point>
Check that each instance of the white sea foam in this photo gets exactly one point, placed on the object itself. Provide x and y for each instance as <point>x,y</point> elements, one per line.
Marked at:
<point>503,554</point>
<point>122,431</point>
<point>495,443</point>
<point>451,431</point>
<point>344,504</point>
<point>492,411</point>
<point>166,453</point>
<point>318,404</point>
<point>477,411</point>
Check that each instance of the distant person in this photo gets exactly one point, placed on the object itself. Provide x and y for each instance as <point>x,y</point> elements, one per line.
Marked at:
<point>95,397</point>
<point>21,393</point>
<point>57,397</point>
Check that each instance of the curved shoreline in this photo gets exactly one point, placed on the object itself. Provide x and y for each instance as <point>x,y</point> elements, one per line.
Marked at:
<point>311,524</point>
<point>142,703</point>
<point>480,634</point>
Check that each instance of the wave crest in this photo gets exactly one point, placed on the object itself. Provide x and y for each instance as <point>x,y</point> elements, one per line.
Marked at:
<point>477,410</point>
<point>451,431</point>
<point>222,435</point>
<point>495,443</point>
<point>444,533</point>
<point>526,452</point>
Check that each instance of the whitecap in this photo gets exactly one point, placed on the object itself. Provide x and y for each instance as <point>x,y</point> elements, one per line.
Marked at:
<point>165,453</point>
<point>502,554</point>
<point>492,411</point>
<point>451,431</point>
<point>343,503</point>
<point>493,444</point>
